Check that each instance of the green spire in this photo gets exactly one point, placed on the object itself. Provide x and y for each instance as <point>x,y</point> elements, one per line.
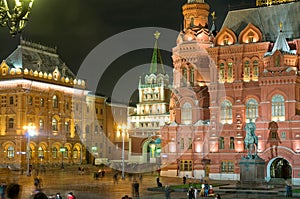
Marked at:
<point>156,66</point>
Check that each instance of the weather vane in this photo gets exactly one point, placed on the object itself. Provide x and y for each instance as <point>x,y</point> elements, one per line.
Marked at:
<point>213,14</point>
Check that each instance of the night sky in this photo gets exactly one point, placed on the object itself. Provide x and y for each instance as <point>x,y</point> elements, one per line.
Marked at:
<point>75,27</point>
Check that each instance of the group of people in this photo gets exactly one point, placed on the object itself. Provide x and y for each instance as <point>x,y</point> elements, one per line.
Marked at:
<point>206,191</point>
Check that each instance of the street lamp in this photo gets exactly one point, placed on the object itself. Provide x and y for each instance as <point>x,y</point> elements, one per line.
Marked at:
<point>30,130</point>
<point>123,130</point>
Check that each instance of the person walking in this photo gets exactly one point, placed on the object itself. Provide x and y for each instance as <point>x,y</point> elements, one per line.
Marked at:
<point>71,196</point>
<point>195,193</point>
<point>184,180</point>
<point>58,196</point>
<point>190,193</point>
<point>167,192</point>
<point>136,186</point>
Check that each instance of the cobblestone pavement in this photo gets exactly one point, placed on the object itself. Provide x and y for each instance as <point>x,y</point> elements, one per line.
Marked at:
<point>84,186</point>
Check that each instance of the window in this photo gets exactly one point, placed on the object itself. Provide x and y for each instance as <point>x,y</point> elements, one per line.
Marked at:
<point>54,101</point>
<point>186,165</point>
<point>186,113</point>
<point>67,126</point>
<point>251,109</point>
<point>226,112</point>
<point>192,76</point>
<point>190,143</point>
<point>54,152</point>
<point>65,153</point>
<point>250,37</point>
<point>226,39</point>
<point>67,106</point>
<point>54,125</point>
<point>221,143</point>
<point>229,72</point>
<point>231,145</point>
<point>227,166</point>
<point>283,135</point>
<point>181,143</point>
<point>75,153</point>
<point>10,152</point>
<point>247,71</point>
<point>221,73</point>
<point>255,71</point>
<point>11,100</point>
<point>40,152</point>
<point>41,123</point>
<point>278,112</point>
<point>11,123</point>
<point>30,100</point>
<point>184,76</point>
<point>42,103</point>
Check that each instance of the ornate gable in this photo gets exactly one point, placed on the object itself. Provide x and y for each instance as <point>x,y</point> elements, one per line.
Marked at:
<point>225,37</point>
<point>250,34</point>
<point>4,68</point>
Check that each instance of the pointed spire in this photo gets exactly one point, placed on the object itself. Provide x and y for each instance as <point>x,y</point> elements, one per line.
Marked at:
<point>281,43</point>
<point>156,66</point>
<point>213,27</point>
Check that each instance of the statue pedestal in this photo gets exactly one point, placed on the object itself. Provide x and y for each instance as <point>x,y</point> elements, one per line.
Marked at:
<point>251,172</point>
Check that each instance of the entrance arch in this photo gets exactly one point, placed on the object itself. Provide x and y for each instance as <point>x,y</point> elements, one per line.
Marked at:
<point>279,168</point>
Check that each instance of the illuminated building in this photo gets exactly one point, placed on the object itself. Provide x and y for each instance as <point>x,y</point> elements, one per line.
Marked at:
<point>248,70</point>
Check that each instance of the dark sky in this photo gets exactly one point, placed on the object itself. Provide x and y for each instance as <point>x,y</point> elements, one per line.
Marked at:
<point>77,26</point>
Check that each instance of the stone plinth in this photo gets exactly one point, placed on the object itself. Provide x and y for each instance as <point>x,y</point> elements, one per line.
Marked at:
<point>251,172</point>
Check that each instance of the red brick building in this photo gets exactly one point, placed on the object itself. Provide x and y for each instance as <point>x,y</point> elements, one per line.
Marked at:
<point>246,71</point>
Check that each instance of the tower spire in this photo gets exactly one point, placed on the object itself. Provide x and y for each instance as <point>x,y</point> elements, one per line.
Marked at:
<point>156,66</point>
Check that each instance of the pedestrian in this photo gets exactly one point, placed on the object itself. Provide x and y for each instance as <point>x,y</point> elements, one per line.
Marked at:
<point>58,196</point>
<point>190,193</point>
<point>13,191</point>
<point>195,193</point>
<point>167,192</point>
<point>115,178</point>
<point>288,191</point>
<point>184,179</point>
<point>2,190</point>
<point>71,196</point>
<point>217,196</point>
<point>136,189</point>
<point>40,195</point>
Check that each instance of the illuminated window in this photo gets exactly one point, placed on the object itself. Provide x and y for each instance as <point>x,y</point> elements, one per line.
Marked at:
<point>231,145</point>
<point>226,112</point>
<point>190,144</point>
<point>66,153</point>
<point>67,126</point>
<point>11,123</point>
<point>54,101</point>
<point>229,72</point>
<point>192,76</point>
<point>251,109</point>
<point>40,152</point>
<point>221,73</point>
<point>255,71</point>
<point>186,165</point>
<point>54,152</point>
<point>247,71</point>
<point>186,113</point>
<point>278,112</point>
<point>41,123</point>
<point>227,166</point>
<point>75,153</point>
<point>221,143</point>
<point>54,124</point>
<point>226,39</point>
<point>10,152</point>
<point>250,37</point>
<point>42,102</point>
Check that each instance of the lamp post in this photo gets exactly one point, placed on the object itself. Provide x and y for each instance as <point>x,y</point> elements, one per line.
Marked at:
<point>30,130</point>
<point>123,130</point>
<point>15,15</point>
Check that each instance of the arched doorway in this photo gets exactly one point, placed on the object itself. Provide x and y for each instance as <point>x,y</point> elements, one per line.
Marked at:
<point>280,168</point>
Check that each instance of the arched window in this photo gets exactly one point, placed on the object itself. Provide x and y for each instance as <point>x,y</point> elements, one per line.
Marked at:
<point>75,153</point>
<point>226,112</point>
<point>40,152</point>
<point>10,152</point>
<point>66,153</point>
<point>226,39</point>
<point>229,72</point>
<point>11,123</point>
<point>250,37</point>
<point>54,101</point>
<point>222,73</point>
<point>54,152</point>
<point>54,125</point>
<point>231,144</point>
<point>247,71</point>
<point>41,124</point>
<point>251,109</point>
<point>186,113</point>
<point>221,143</point>
<point>184,76</point>
<point>255,71</point>
<point>192,76</point>
<point>278,112</point>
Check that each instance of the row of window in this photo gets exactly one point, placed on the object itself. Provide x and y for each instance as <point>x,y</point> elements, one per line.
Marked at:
<point>226,166</point>
<point>226,117</point>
